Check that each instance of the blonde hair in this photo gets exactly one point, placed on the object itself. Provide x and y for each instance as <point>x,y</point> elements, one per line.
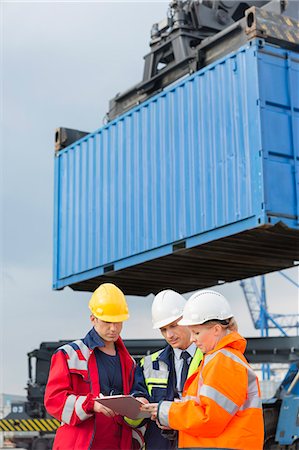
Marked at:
<point>231,324</point>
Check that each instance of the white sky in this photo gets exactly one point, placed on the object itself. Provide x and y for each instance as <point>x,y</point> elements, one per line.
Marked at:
<point>61,62</point>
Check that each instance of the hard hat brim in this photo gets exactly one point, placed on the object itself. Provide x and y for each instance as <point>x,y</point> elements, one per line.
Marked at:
<point>186,322</point>
<point>164,322</point>
<point>120,318</point>
<point>189,322</point>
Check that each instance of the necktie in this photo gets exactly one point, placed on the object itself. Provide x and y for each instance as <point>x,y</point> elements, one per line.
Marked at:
<point>184,355</point>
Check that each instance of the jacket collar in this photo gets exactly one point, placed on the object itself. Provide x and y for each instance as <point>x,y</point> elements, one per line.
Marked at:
<point>233,340</point>
<point>93,340</point>
<point>165,355</point>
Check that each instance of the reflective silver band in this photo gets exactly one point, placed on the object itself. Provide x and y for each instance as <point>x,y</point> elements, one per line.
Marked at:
<point>163,411</point>
<point>84,349</point>
<point>74,362</point>
<point>79,410</point>
<point>255,402</point>
<point>74,403</point>
<point>221,400</point>
<point>68,409</point>
<point>234,357</point>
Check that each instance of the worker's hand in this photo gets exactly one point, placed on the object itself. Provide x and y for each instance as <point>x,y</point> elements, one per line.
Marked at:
<point>142,400</point>
<point>151,408</point>
<point>154,416</point>
<point>99,408</point>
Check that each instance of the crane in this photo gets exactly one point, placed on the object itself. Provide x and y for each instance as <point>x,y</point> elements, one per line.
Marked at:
<point>262,319</point>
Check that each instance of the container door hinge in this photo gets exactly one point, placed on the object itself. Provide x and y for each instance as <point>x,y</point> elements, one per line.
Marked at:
<point>109,268</point>
<point>179,246</point>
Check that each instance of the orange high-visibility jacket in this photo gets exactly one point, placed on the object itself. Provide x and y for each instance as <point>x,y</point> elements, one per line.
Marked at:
<point>221,404</point>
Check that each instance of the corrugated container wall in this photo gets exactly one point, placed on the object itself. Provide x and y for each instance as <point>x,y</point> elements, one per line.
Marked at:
<point>196,185</point>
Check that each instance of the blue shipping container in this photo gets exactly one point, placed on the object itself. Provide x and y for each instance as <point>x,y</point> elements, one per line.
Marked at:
<point>195,186</point>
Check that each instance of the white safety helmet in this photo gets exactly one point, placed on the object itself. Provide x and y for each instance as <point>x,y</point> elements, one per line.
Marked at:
<point>205,305</point>
<point>167,307</point>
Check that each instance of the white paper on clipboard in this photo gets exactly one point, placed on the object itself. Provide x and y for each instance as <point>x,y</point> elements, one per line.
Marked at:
<point>125,405</point>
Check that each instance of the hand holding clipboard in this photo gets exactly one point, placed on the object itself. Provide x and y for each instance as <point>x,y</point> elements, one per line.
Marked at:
<point>125,405</point>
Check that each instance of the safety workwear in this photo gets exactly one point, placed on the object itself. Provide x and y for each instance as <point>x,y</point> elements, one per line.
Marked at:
<point>108,303</point>
<point>205,305</point>
<point>73,384</point>
<point>167,307</point>
<point>221,403</point>
<point>155,380</point>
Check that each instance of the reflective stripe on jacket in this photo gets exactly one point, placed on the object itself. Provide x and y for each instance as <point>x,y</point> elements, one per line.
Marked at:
<point>73,384</point>
<point>221,404</point>
<point>156,373</point>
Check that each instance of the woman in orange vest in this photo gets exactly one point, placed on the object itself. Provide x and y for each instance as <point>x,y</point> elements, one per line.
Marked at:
<point>221,404</point>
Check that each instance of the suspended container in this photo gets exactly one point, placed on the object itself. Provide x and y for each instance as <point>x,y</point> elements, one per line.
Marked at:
<point>196,186</point>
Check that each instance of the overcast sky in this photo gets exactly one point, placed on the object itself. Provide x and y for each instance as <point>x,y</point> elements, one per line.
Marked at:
<point>61,62</point>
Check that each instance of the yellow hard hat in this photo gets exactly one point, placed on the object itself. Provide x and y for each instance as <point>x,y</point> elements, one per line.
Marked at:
<point>108,303</point>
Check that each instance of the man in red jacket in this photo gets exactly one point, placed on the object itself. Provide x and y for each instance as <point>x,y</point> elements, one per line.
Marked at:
<point>86,368</point>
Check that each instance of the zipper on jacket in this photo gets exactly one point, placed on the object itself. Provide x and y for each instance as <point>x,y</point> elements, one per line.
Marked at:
<point>94,421</point>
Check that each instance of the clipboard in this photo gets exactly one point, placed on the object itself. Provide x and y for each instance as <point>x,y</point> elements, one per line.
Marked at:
<point>125,405</point>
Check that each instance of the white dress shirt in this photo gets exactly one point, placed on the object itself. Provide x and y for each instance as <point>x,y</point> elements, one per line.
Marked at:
<point>178,363</point>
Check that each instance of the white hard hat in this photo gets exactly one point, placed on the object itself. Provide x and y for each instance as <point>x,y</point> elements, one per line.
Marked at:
<point>205,305</point>
<point>167,307</point>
